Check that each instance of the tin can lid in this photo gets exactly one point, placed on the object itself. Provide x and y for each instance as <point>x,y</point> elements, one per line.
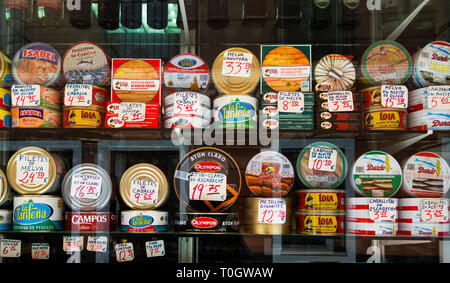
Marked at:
<point>82,199</point>
<point>144,186</point>
<point>31,170</point>
<point>4,189</point>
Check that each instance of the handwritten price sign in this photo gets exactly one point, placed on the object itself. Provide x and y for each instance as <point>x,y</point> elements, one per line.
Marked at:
<point>291,102</point>
<point>207,186</point>
<point>124,252</point>
<point>11,248</point>
<point>97,244</point>
<point>439,97</point>
<point>25,95</point>
<point>434,210</point>
<point>382,209</point>
<point>237,64</point>
<point>78,95</point>
<point>144,191</point>
<point>340,101</point>
<point>32,170</point>
<point>322,159</point>
<point>394,96</point>
<point>86,186</point>
<point>132,111</point>
<point>40,250</point>
<point>272,211</point>
<point>186,103</point>
<point>73,243</point>
<point>155,248</point>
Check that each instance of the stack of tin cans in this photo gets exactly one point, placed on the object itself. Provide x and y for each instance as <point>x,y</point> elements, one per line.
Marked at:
<point>5,108</point>
<point>187,110</point>
<point>144,188</point>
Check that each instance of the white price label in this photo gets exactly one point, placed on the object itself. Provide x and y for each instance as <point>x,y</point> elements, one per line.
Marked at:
<point>382,209</point>
<point>40,250</point>
<point>394,96</point>
<point>78,95</point>
<point>132,111</point>
<point>237,64</point>
<point>97,244</point>
<point>32,169</point>
<point>124,252</point>
<point>155,248</point>
<point>144,191</point>
<point>434,210</point>
<point>291,102</point>
<point>86,186</point>
<point>25,95</point>
<point>322,159</point>
<point>207,186</point>
<point>340,101</point>
<point>11,248</point>
<point>73,243</point>
<point>439,97</point>
<point>272,211</point>
<point>186,103</point>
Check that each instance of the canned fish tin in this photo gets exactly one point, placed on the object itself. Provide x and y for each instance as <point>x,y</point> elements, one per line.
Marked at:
<point>86,63</point>
<point>372,97</point>
<point>186,72</point>
<point>317,179</point>
<point>186,122</point>
<point>203,167</point>
<point>5,219</point>
<point>372,229</point>
<point>90,221</point>
<point>269,174</point>
<point>320,200</point>
<point>376,174</point>
<point>315,223</point>
<point>6,78</point>
<point>207,222</point>
<point>144,221</point>
<point>236,112</point>
<point>35,117</point>
<point>386,119</point>
<point>87,187</point>
<point>432,65</point>
<point>84,117</point>
<point>5,118</point>
<point>37,64</point>
<point>38,213</point>
<point>144,186</point>
<point>5,99</point>
<point>32,170</point>
<point>334,72</point>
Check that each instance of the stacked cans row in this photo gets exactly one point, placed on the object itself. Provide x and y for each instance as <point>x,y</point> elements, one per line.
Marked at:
<point>187,110</point>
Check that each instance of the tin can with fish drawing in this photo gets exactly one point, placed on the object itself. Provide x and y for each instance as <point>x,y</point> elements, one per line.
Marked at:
<point>320,223</point>
<point>386,119</point>
<point>320,200</point>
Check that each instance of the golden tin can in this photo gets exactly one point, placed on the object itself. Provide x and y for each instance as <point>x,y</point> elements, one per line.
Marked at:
<point>320,223</point>
<point>5,191</point>
<point>144,186</point>
<point>84,117</point>
<point>386,119</point>
<point>33,171</point>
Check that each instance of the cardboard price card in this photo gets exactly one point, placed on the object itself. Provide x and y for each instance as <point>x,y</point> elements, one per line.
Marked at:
<point>207,186</point>
<point>132,111</point>
<point>155,248</point>
<point>86,186</point>
<point>124,252</point>
<point>340,101</point>
<point>322,159</point>
<point>25,95</point>
<point>73,243</point>
<point>11,248</point>
<point>40,250</point>
<point>186,103</point>
<point>434,210</point>
<point>97,244</point>
<point>439,97</point>
<point>291,102</point>
<point>382,209</point>
<point>144,191</point>
<point>78,95</point>
<point>237,64</point>
<point>32,170</point>
<point>394,96</point>
<point>272,211</point>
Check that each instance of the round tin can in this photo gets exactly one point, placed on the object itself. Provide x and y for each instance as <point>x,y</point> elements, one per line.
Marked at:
<point>87,187</point>
<point>207,222</point>
<point>269,174</point>
<point>317,179</point>
<point>205,101</point>
<point>386,62</point>
<point>232,111</point>
<point>386,119</point>
<point>5,219</point>
<point>231,84</point>
<point>320,200</point>
<point>5,118</point>
<point>144,186</point>
<point>32,170</point>
<point>144,221</point>
<point>84,117</point>
<point>186,122</point>
<point>376,174</point>
<point>211,164</point>
<point>432,65</point>
<point>35,117</point>
<point>38,213</point>
<point>90,221</point>
<point>6,78</point>
<point>37,64</point>
<point>372,229</point>
<point>424,230</point>
<point>86,63</point>
<point>315,223</point>
<point>372,97</point>
<point>334,72</point>
<point>5,99</point>
<point>186,72</point>
<point>6,194</point>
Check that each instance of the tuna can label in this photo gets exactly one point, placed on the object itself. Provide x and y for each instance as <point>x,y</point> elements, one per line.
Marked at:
<point>35,117</point>
<point>90,221</point>
<point>385,120</point>
<point>144,221</point>
<point>235,112</point>
<point>320,200</point>
<point>37,214</point>
<point>320,224</point>
<point>186,73</point>
<point>204,222</point>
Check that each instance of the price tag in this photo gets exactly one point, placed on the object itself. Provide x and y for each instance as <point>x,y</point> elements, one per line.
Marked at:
<point>78,95</point>
<point>97,244</point>
<point>434,210</point>
<point>322,159</point>
<point>237,64</point>
<point>382,209</point>
<point>340,101</point>
<point>394,96</point>
<point>72,243</point>
<point>439,97</point>
<point>124,252</point>
<point>132,111</point>
<point>25,95</point>
<point>32,169</point>
<point>186,103</point>
<point>86,186</point>
<point>291,102</point>
<point>11,248</point>
<point>207,186</point>
<point>272,211</point>
<point>155,248</point>
<point>40,250</point>
<point>144,191</point>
